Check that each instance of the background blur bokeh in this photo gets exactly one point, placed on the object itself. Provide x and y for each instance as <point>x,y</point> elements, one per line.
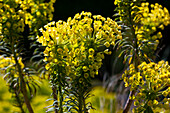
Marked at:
<point>104,100</point>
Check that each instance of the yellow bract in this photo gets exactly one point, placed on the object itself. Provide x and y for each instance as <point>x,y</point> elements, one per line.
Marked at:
<point>151,80</point>
<point>91,51</point>
<point>145,20</point>
<point>7,64</point>
<point>157,17</point>
<point>15,14</point>
<point>74,44</point>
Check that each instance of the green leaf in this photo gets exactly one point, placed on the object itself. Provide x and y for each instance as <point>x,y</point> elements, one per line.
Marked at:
<point>50,109</point>
<point>121,53</point>
<point>6,75</point>
<point>49,99</point>
<point>128,45</point>
<point>117,14</point>
<point>55,102</point>
<point>35,56</point>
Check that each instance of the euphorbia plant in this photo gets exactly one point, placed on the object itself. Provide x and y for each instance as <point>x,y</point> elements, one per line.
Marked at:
<point>151,82</point>
<point>140,40</point>
<point>74,50</point>
<point>18,20</point>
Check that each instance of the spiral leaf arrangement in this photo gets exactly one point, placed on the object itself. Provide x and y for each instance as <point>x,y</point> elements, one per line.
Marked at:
<point>19,19</point>
<point>74,52</point>
<point>139,22</point>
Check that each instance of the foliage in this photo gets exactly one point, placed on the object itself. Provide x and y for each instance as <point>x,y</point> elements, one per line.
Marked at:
<point>140,40</point>
<point>140,27</point>
<point>15,15</point>
<point>74,52</point>
<point>39,101</point>
<point>151,82</point>
<point>18,20</point>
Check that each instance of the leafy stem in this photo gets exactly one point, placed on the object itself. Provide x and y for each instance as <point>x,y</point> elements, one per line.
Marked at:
<point>54,89</point>
<point>19,102</point>
<point>60,95</point>
<point>21,77</point>
<point>136,61</point>
<point>80,98</point>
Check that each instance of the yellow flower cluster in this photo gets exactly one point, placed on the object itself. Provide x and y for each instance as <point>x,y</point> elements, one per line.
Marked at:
<point>151,81</point>
<point>116,2</point>
<point>156,16</point>
<point>14,14</point>
<point>7,64</point>
<point>150,20</point>
<point>73,45</point>
<point>143,19</point>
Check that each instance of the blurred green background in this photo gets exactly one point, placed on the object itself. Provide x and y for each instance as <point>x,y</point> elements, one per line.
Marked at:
<point>102,102</point>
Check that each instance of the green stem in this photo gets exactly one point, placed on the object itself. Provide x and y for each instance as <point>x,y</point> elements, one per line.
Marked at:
<point>23,84</point>
<point>84,104</point>
<point>55,98</point>
<point>130,101</point>
<point>19,102</point>
<point>80,105</point>
<point>54,89</point>
<point>80,101</point>
<point>61,95</point>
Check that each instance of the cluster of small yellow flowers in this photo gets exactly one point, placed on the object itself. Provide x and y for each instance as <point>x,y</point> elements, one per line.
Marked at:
<point>15,14</point>
<point>7,64</point>
<point>151,81</point>
<point>92,33</point>
<point>75,49</point>
<point>116,2</point>
<point>124,7</point>
<point>157,17</point>
<point>143,19</point>
<point>56,51</point>
<point>74,44</point>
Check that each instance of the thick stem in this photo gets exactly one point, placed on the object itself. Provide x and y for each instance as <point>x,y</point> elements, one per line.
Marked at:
<point>23,84</point>
<point>84,105</point>
<point>24,92</point>
<point>80,101</point>
<point>55,98</point>
<point>80,105</point>
<point>129,102</point>
<point>19,102</point>
<point>61,97</point>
